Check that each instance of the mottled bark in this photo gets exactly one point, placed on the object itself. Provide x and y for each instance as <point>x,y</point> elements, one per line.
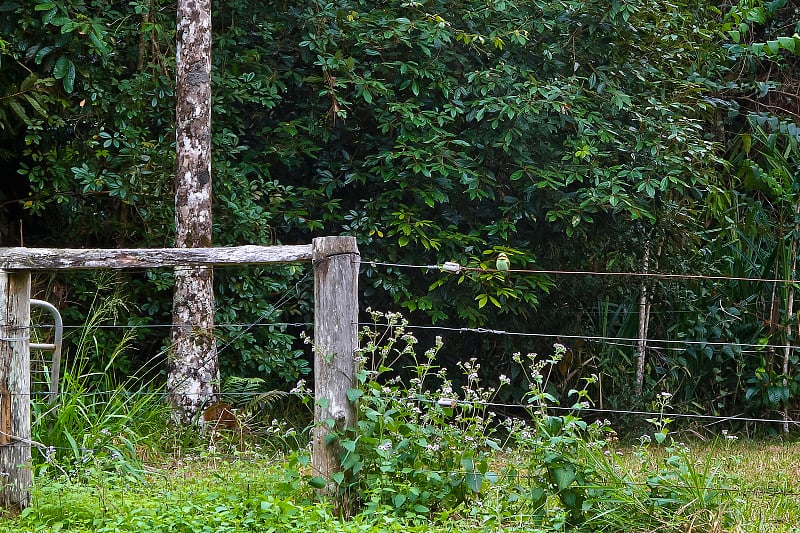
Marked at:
<point>193,374</point>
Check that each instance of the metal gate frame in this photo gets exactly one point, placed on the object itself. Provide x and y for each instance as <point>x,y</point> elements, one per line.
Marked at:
<point>55,347</point>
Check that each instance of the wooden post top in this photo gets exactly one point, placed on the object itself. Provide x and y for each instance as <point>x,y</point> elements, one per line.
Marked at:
<point>323,247</point>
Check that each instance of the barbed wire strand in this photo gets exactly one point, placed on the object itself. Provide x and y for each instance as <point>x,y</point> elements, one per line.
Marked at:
<point>466,403</point>
<point>282,301</point>
<point>452,269</point>
<point>598,338</point>
<point>652,343</point>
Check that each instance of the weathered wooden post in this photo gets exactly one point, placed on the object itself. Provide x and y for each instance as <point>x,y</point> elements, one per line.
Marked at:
<point>15,385</point>
<point>336,264</point>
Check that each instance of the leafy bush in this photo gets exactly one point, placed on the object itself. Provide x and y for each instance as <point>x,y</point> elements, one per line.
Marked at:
<point>428,450</point>
<point>408,452</point>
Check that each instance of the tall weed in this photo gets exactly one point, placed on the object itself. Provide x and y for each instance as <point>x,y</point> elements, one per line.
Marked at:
<point>97,422</point>
<point>425,449</point>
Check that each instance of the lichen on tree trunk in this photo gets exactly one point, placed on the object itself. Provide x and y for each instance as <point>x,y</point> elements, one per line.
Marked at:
<point>193,373</point>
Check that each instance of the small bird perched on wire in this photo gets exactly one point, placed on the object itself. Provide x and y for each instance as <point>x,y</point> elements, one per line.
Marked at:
<point>502,262</point>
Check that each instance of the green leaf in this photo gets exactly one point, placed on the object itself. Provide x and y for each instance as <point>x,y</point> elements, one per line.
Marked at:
<point>318,482</point>
<point>18,110</point>
<point>773,46</point>
<point>36,105</point>
<point>564,476</point>
<point>474,481</point>
<point>41,54</point>
<point>787,43</point>
<point>69,79</point>
<point>399,500</point>
<point>354,394</point>
<point>61,68</point>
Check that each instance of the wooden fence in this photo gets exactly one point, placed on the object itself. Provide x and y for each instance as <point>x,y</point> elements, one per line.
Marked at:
<point>335,261</point>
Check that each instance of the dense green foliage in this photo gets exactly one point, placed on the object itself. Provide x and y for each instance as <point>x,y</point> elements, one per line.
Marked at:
<point>419,461</point>
<point>423,449</point>
<point>570,135</point>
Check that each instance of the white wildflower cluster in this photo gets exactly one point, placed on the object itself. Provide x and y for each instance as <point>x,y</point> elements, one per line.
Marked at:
<point>87,455</point>
<point>281,429</point>
<point>50,454</point>
<point>409,339</point>
<point>729,436</point>
<point>301,388</point>
<point>432,447</point>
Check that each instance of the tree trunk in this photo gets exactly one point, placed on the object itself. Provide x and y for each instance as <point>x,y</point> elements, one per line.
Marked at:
<point>193,374</point>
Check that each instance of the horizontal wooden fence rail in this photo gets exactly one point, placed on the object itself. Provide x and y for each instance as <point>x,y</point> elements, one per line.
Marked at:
<point>84,259</point>
<point>335,261</point>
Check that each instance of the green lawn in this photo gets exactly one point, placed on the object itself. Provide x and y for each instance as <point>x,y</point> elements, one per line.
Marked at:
<point>250,492</point>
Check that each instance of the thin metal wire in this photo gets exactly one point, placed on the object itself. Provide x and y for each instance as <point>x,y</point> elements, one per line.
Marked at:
<point>280,303</point>
<point>597,338</point>
<point>474,403</point>
<point>595,410</point>
<point>442,268</point>
<point>170,325</point>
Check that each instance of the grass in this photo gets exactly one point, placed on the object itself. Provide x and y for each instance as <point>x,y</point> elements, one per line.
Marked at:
<point>767,481</point>
<point>253,491</point>
<point>205,493</point>
<point>113,462</point>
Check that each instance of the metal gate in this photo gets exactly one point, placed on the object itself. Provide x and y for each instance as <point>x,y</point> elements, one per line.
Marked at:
<point>46,371</point>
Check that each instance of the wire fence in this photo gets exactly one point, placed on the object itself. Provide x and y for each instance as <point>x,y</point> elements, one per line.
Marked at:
<point>238,329</point>
<point>292,294</point>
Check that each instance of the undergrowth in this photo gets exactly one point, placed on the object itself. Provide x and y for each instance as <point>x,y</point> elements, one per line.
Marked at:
<point>425,449</point>
<point>429,454</point>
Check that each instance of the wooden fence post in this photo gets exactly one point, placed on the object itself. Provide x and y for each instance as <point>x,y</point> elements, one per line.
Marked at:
<point>15,385</point>
<point>336,265</point>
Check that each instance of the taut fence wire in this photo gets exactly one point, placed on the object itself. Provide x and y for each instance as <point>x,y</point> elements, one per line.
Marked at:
<point>665,344</point>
